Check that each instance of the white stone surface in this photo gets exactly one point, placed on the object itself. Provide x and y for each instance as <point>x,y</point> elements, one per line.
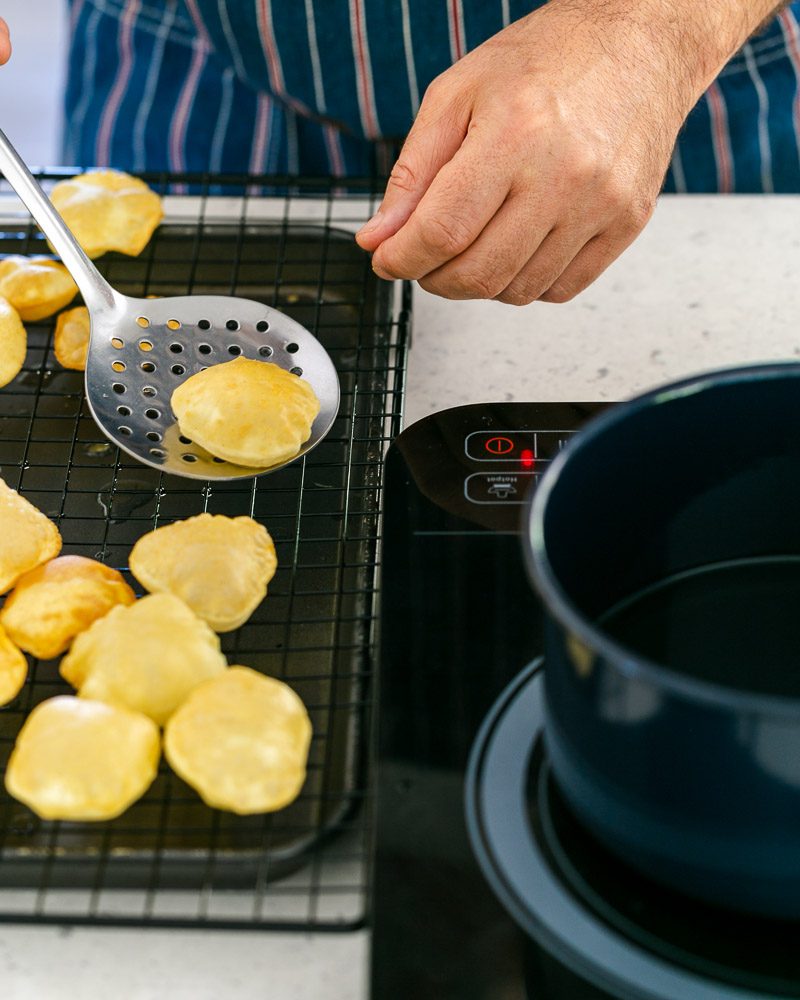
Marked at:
<point>713,282</point>
<point>110,964</point>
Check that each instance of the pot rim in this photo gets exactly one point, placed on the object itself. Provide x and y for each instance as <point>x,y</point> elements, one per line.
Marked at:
<point>559,606</point>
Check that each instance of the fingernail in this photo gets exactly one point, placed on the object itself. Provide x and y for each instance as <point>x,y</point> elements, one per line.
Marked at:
<point>373,224</point>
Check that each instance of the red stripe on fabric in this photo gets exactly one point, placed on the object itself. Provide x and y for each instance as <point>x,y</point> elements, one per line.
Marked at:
<point>333,147</point>
<point>456,29</point>
<point>260,133</point>
<point>274,68</point>
<point>199,23</point>
<point>272,57</point>
<point>791,32</point>
<point>368,111</point>
<point>108,118</point>
<point>720,138</point>
<point>183,109</point>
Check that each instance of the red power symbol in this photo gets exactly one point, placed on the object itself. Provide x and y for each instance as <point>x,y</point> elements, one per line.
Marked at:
<point>499,445</point>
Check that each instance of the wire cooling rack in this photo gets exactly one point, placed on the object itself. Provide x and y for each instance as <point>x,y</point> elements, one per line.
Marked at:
<point>170,860</point>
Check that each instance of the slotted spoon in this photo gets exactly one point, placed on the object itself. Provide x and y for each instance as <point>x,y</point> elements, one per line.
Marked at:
<point>140,350</point>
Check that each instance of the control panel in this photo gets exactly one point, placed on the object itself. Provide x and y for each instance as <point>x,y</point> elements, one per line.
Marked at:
<point>481,461</point>
<point>517,456</point>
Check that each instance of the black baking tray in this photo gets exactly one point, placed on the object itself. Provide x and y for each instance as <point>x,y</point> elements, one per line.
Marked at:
<point>314,630</point>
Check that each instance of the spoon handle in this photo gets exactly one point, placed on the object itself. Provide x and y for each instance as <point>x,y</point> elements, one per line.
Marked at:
<point>97,293</point>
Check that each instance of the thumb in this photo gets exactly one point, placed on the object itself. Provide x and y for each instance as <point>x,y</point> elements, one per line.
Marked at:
<point>433,141</point>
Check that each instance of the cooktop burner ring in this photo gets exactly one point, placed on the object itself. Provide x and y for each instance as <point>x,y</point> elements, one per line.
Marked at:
<point>517,868</point>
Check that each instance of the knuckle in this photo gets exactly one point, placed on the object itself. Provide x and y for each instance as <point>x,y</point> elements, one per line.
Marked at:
<point>403,176</point>
<point>389,267</point>
<point>559,294</point>
<point>434,89</point>
<point>477,285</point>
<point>627,205</point>
<point>639,213</point>
<point>617,196</point>
<point>436,286</point>
<point>584,163</point>
<point>445,235</point>
<point>527,287</point>
<point>517,295</point>
<point>461,285</point>
<point>386,264</point>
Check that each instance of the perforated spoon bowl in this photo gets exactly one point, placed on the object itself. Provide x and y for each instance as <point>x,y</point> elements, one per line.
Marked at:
<point>141,349</point>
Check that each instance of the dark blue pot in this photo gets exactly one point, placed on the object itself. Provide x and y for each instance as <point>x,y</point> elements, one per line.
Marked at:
<point>680,747</point>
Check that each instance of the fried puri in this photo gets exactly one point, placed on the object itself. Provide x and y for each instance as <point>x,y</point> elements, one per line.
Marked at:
<point>53,603</point>
<point>27,537</point>
<point>220,566</point>
<point>13,343</point>
<point>247,412</point>
<point>13,669</point>
<point>147,656</point>
<point>36,286</point>
<point>82,760</point>
<point>71,340</point>
<point>241,741</point>
<point>108,210</point>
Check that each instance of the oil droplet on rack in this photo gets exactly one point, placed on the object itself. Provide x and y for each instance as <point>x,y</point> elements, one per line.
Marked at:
<point>123,496</point>
<point>97,449</point>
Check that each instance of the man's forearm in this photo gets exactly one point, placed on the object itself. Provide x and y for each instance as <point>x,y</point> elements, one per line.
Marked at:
<point>693,38</point>
<point>713,30</point>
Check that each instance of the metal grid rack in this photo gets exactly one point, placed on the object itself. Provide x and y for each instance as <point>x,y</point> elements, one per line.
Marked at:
<point>170,860</point>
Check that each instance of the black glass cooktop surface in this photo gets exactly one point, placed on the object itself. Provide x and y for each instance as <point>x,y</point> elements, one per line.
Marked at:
<point>467,812</point>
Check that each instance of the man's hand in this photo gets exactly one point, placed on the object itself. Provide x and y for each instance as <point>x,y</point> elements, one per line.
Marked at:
<point>537,158</point>
<point>5,43</point>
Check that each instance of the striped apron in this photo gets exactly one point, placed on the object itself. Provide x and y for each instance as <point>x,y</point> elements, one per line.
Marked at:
<point>330,87</point>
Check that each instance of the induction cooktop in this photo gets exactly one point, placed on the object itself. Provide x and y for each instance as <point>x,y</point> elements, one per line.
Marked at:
<point>485,886</point>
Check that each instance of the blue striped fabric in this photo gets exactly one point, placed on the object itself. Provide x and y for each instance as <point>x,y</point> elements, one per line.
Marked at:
<point>330,88</point>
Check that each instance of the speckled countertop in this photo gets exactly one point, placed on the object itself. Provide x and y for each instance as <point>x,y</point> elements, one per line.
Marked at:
<point>712,282</point>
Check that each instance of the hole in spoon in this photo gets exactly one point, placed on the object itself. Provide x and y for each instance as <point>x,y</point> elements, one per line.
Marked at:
<point>157,452</point>
<point>235,350</point>
<point>232,324</point>
<point>124,411</point>
<point>125,431</point>
<point>152,414</point>
<point>176,348</point>
<point>153,436</point>
<point>177,369</point>
<point>219,461</point>
<point>262,326</point>
<point>116,342</point>
<point>292,348</point>
<point>296,371</point>
<point>204,348</point>
<point>147,366</point>
<point>148,390</point>
<point>118,387</point>
<point>143,322</point>
<point>118,366</point>
<point>189,458</point>
<point>204,324</point>
<point>145,345</point>
<point>184,440</point>
<point>173,324</point>
<point>265,351</point>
